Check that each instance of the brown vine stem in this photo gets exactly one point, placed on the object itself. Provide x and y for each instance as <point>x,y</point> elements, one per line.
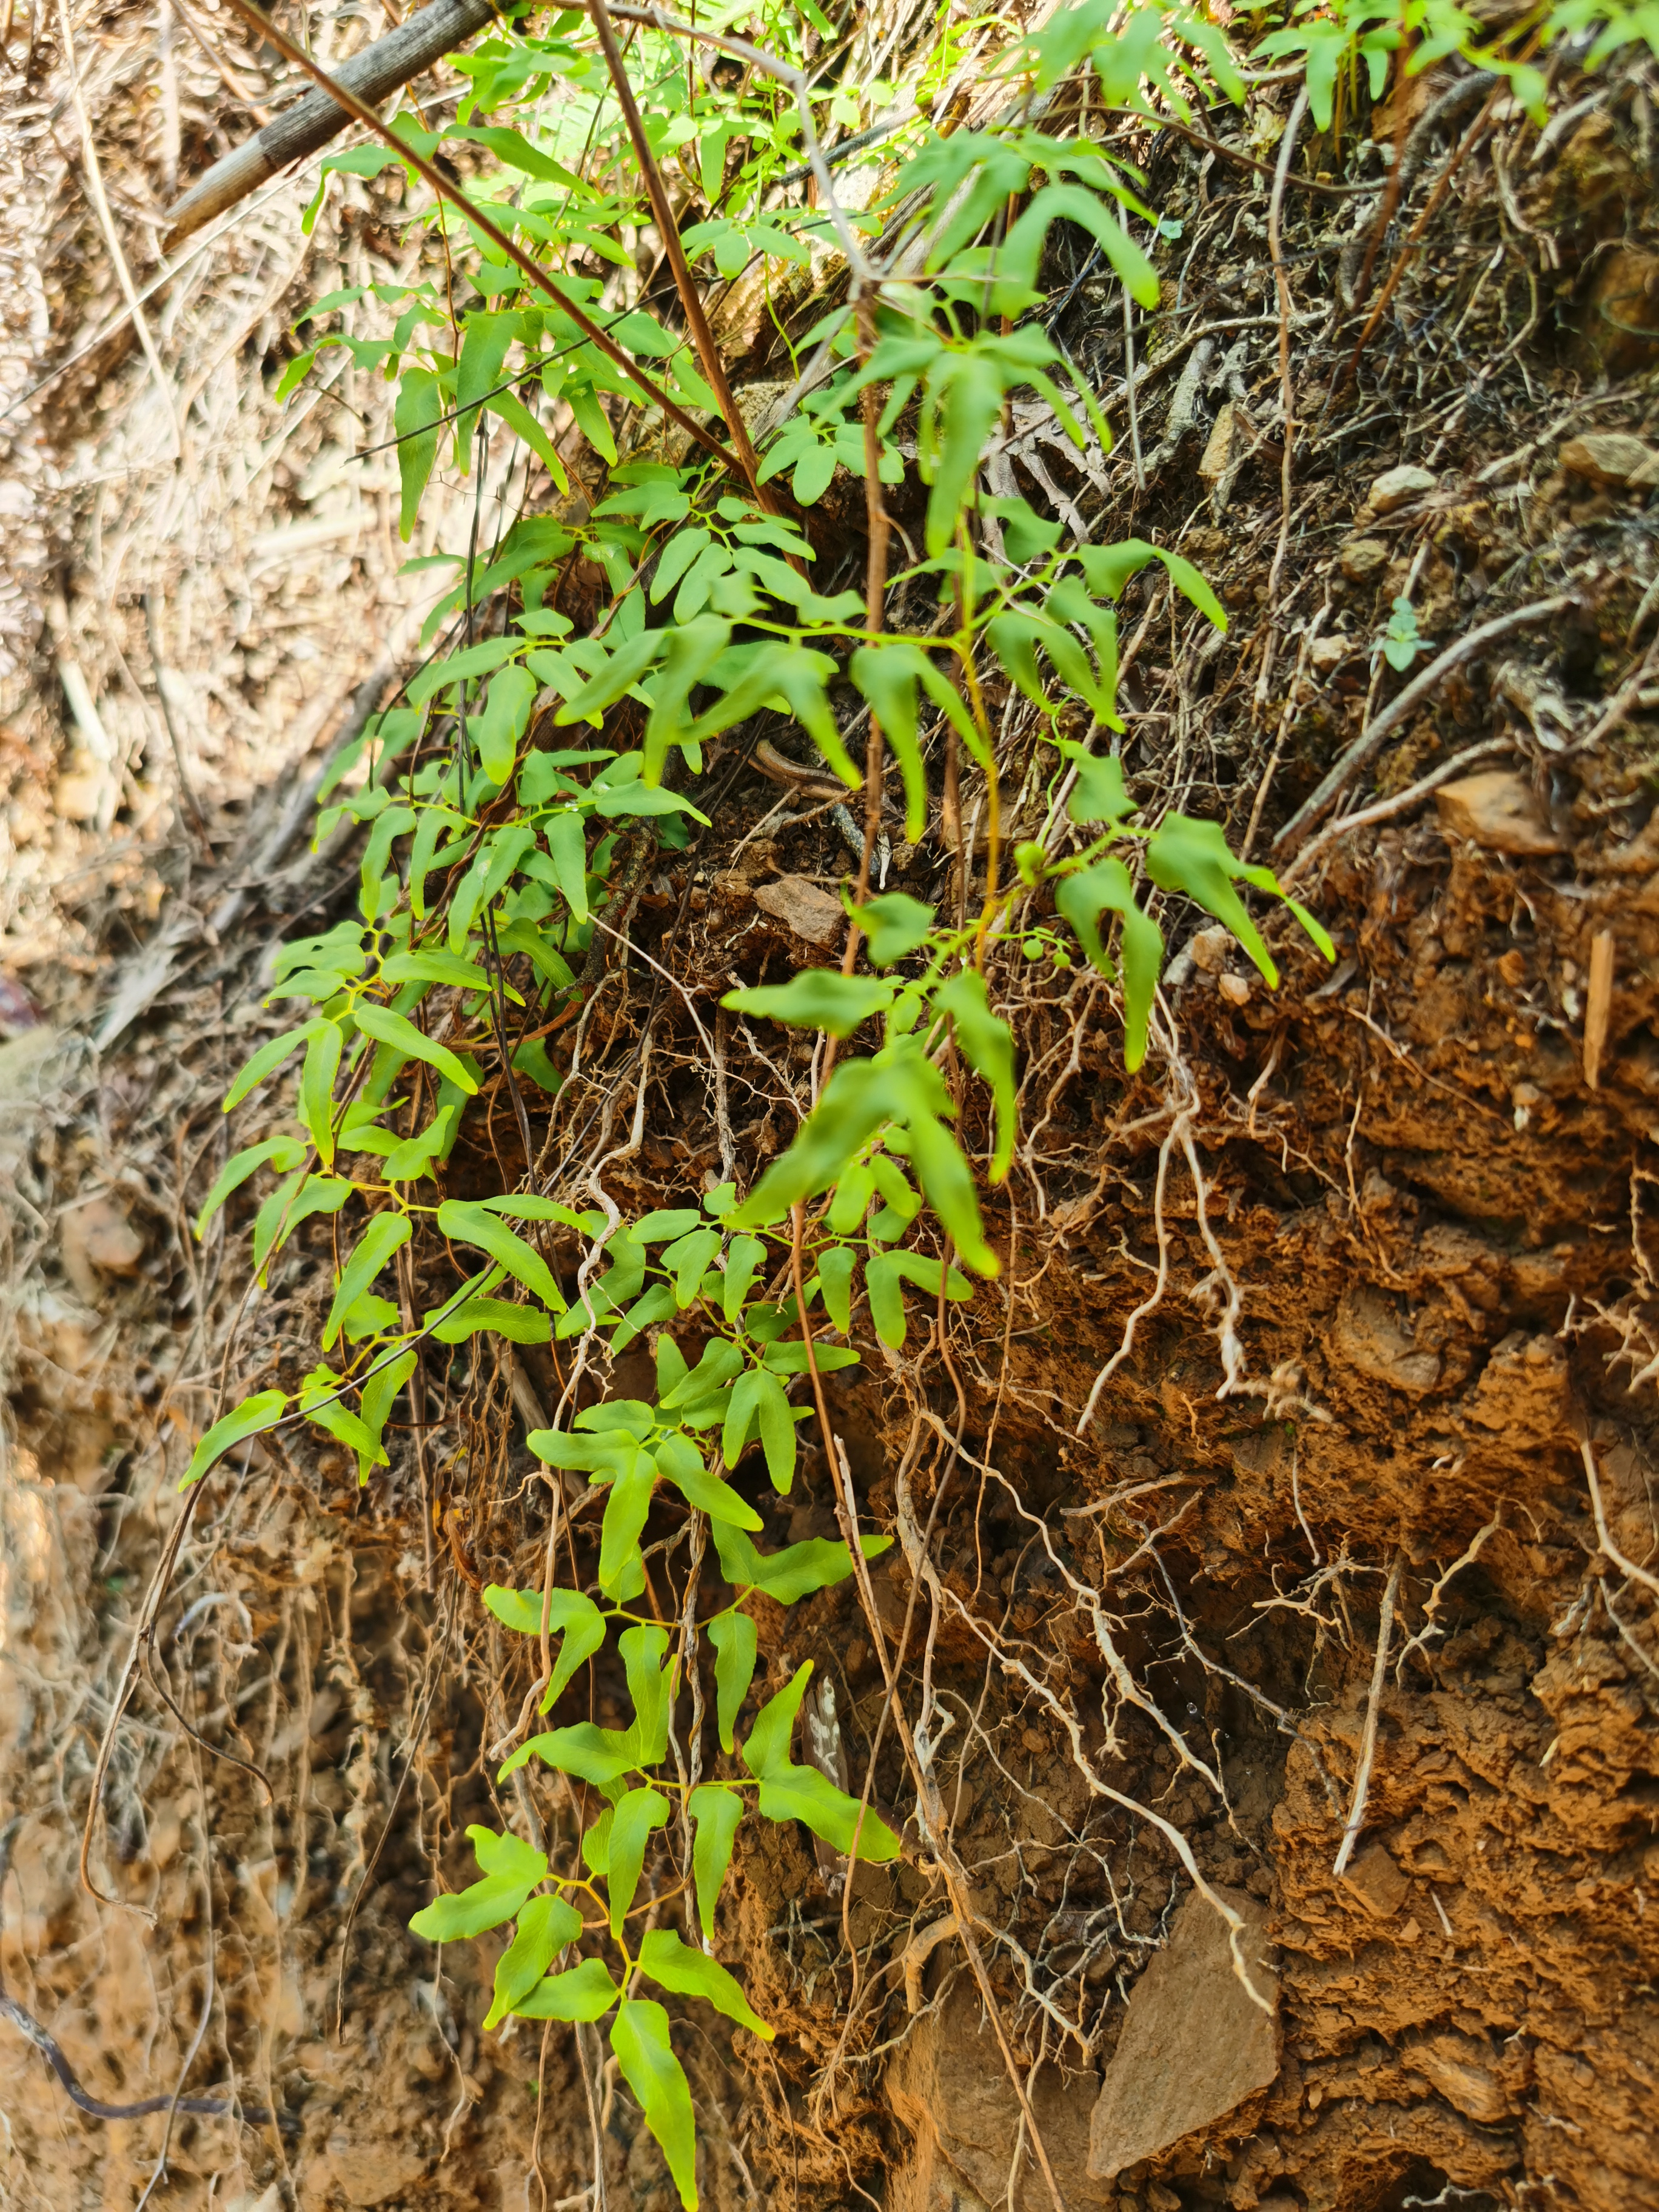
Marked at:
<point>690,299</point>
<point>1403,260</point>
<point>927,1797</point>
<point>498,238</point>
<point>1275,247</point>
<point>875,606</point>
<point>1385,214</point>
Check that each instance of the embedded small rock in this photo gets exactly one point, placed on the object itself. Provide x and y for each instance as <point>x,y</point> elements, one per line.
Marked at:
<point>1612,458</point>
<point>1209,948</point>
<point>802,907</point>
<point>1495,808</point>
<point>98,1239</point>
<point>1368,1335</point>
<point>1377,1882</point>
<point>1221,451</point>
<point>1195,2043</point>
<point>1399,487</point>
<point>1363,559</point>
<point>367,2174</point>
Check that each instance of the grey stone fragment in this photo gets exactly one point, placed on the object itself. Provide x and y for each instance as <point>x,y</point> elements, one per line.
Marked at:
<point>948,2085</point>
<point>802,907</point>
<point>1397,487</point>
<point>1195,2045</point>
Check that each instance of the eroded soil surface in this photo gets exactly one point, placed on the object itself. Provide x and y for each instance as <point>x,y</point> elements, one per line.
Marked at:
<point>1369,1257</point>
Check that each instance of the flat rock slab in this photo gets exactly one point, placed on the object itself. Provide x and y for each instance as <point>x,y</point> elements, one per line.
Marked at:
<point>1194,2045</point>
<point>948,2086</point>
<point>1612,458</point>
<point>1497,809</point>
<point>804,908</point>
<point>1399,487</point>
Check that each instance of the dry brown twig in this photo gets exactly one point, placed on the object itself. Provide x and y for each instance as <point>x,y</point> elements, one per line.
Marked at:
<point>1371,740</point>
<point>1282,284</point>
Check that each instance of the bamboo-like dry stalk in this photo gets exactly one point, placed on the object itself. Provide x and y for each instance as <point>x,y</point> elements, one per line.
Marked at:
<point>374,75</point>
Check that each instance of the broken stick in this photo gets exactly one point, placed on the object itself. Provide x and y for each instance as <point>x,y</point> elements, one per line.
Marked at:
<point>374,75</point>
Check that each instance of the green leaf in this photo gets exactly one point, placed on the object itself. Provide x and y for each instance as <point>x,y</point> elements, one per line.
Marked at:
<point>777,1425</point>
<point>948,1180</point>
<point>801,1793</point>
<point>621,671</point>
<point>1108,568</point>
<point>1106,888</point>
<point>766,1747</point>
<point>638,2036</point>
<point>816,999</point>
<point>269,1058</point>
<point>1069,602</point>
<point>386,1234</point>
<point>497,731</point>
<point>396,1031</point>
<point>500,1317</point>
<point>896,925</point>
<point>818,1564</point>
<point>717,1810</point>
<point>650,1684</point>
<point>477,371</point>
<point>523,425</point>
<point>632,1820</point>
<point>250,1419</point>
<point>545,1926</point>
<point>734,1636</point>
<point>719,1362</point>
<point>883,1281</point>
<point>758,1402</point>
<point>692,650</point>
<point>1017,262</point>
<point>691,1973</point>
<point>283,1154</point>
<point>379,1395</point>
<point>511,1870</point>
<point>570,1614</point>
<point>744,1259</point>
<point>687,1260</point>
<point>626,1511</point>
<point>432,964</point>
<point>585,1992</point>
<point>470,1222</point>
<point>851,1202</point>
<point>292,1202</point>
<point>415,418</point>
<point>666,1224</point>
<point>678,1458</point>
<point>1014,638</point>
<point>971,408</point>
<point>479,659</point>
<point>886,1273</point>
<point>836,1278</point>
<point>597,1755</point>
<point>567,846</point>
<point>888,675</point>
<point>1099,794</point>
<point>322,1063</point>
<point>987,1044</point>
<point>1189,856</point>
